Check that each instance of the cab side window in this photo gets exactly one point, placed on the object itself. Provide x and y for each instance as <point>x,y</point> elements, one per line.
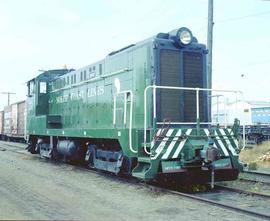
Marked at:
<point>31,88</point>
<point>42,87</point>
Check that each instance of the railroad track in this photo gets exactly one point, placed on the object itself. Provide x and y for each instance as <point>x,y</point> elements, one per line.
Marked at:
<point>241,201</point>
<point>256,177</point>
<point>256,172</point>
<point>247,202</point>
<point>241,191</point>
<point>13,147</point>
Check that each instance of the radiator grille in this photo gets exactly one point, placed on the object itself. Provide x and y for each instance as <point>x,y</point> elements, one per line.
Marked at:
<point>170,76</point>
<point>193,77</point>
<point>180,106</point>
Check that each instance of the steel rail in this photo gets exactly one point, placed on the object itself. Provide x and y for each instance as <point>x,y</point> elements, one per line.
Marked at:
<point>256,172</point>
<point>216,203</point>
<point>259,177</point>
<point>242,191</point>
<point>21,151</point>
<point>254,181</point>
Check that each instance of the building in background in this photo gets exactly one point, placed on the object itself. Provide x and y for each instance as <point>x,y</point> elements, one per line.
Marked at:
<point>248,112</point>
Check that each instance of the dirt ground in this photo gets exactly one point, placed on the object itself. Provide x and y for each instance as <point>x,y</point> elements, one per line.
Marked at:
<point>35,189</point>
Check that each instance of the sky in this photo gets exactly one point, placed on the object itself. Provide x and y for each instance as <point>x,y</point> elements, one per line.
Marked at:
<point>49,34</point>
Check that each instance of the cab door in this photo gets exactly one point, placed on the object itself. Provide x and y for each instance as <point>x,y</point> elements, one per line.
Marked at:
<point>42,104</point>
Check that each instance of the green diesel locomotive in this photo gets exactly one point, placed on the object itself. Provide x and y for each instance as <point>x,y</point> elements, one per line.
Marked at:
<point>143,110</point>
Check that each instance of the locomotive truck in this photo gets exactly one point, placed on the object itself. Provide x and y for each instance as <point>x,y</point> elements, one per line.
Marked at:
<point>142,111</point>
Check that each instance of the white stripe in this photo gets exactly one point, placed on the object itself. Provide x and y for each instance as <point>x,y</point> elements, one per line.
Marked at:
<point>228,142</point>
<point>179,148</point>
<point>188,132</point>
<point>181,145</point>
<point>162,144</point>
<point>236,142</point>
<point>206,131</point>
<point>234,139</point>
<point>221,145</point>
<point>157,134</point>
<point>207,134</point>
<point>170,147</point>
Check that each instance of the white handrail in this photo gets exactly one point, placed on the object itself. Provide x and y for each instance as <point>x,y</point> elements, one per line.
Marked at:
<point>190,123</point>
<point>197,104</point>
<point>126,92</point>
<point>114,110</point>
<point>125,109</point>
<point>154,87</point>
<point>244,137</point>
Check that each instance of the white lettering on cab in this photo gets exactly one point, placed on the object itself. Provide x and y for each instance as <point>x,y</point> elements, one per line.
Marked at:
<point>91,92</point>
<point>95,91</point>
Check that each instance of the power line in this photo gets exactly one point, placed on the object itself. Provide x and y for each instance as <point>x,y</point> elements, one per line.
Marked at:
<point>8,94</point>
<point>259,62</point>
<point>243,17</point>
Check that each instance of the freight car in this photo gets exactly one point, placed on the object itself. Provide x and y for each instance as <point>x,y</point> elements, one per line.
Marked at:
<point>255,134</point>
<point>142,111</point>
<point>14,122</point>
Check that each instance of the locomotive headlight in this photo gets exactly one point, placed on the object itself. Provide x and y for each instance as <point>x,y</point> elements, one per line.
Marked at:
<point>185,37</point>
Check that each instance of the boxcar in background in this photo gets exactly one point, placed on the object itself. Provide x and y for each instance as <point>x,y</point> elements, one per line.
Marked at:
<point>1,124</point>
<point>14,121</point>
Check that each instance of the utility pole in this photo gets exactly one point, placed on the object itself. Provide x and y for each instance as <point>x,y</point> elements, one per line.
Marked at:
<point>209,46</point>
<point>8,93</point>
<point>210,41</point>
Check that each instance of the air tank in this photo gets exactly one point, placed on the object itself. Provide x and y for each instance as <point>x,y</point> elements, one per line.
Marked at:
<point>67,148</point>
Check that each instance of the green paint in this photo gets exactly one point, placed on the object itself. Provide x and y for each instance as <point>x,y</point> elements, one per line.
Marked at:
<point>81,106</point>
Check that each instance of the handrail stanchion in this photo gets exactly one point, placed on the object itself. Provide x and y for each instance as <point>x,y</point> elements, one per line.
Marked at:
<point>197,104</point>
<point>130,115</point>
<point>218,109</point>
<point>197,111</point>
<point>244,137</point>
<point>130,123</point>
<point>114,110</point>
<point>145,120</point>
<point>125,109</point>
<point>155,109</point>
<point>226,111</point>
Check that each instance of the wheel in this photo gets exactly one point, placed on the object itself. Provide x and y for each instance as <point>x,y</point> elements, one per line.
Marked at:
<point>31,148</point>
<point>127,165</point>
